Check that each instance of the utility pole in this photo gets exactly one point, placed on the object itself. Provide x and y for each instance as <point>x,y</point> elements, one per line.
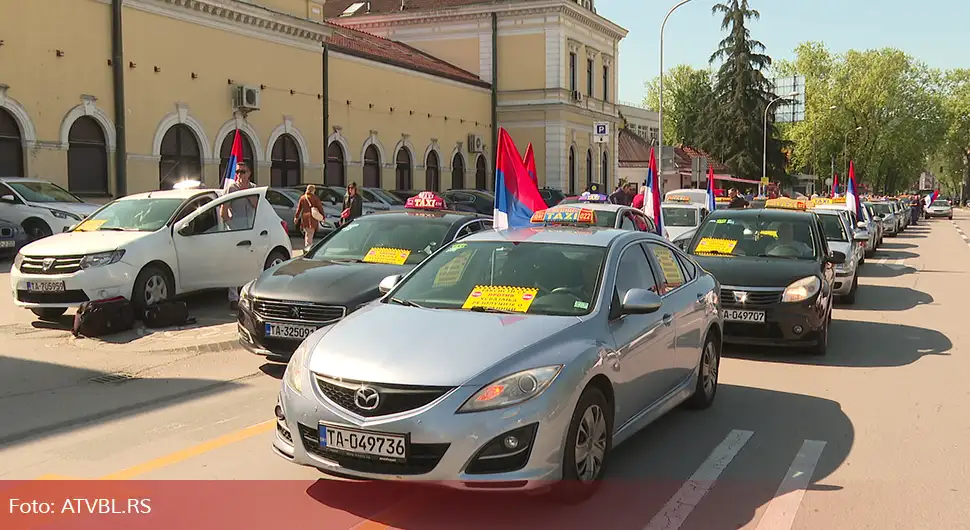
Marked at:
<point>832,175</point>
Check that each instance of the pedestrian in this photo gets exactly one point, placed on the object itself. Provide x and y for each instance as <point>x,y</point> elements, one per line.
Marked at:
<point>353,205</point>
<point>309,213</point>
<point>639,199</point>
<point>737,201</point>
<point>239,215</point>
<point>623,195</point>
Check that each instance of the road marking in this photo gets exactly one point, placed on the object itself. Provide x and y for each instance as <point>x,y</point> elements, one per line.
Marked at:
<point>960,231</point>
<point>891,262</point>
<point>185,454</point>
<point>679,506</point>
<point>780,514</point>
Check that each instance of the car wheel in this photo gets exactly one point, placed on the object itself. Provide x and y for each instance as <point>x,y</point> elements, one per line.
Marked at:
<point>152,286</point>
<point>707,376</point>
<point>48,313</point>
<point>37,229</point>
<point>850,298</point>
<point>950,218</point>
<point>275,258</point>
<point>821,348</point>
<point>588,442</point>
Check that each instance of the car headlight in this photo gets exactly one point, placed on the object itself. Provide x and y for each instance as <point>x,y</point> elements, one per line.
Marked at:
<point>802,289</point>
<point>60,214</point>
<point>17,260</point>
<point>244,293</point>
<point>512,389</point>
<point>101,259</point>
<point>296,368</point>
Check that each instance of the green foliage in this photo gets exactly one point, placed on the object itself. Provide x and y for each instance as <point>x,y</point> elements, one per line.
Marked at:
<point>953,152</point>
<point>687,91</point>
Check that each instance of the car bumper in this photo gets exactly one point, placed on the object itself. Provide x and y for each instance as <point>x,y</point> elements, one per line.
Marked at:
<point>782,320</point>
<point>889,228</point>
<point>96,283</point>
<point>444,446</point>
<point>939,214</point>
<point>252,336</point>
<point>843,282</point>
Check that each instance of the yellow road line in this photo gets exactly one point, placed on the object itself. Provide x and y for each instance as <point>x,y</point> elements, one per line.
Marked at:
<point>190,452</point>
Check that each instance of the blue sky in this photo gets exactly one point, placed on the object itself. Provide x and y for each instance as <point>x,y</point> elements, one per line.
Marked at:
<point>932,31</point>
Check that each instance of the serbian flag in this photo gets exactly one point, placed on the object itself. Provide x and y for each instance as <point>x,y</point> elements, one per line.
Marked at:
<point>530,163</point>
<point>652,195</point>
<point>936,195</point>
<point>835,185</point>
<point>711,203</point>
<point>516,194</point>
<point>852,202</point>
<point>235,157</point>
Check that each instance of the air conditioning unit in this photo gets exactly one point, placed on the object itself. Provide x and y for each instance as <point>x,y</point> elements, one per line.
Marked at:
<point>577,96</point>
<point>475,143</point>
<point>246,97</point>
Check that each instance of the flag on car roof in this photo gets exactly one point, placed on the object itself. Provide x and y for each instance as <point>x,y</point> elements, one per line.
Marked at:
<point>235,157</point>
<point>852,202</point>
<point>530,163</point>
<point>516,194</point>
<point>652,196</point>
<point>711,204</point>
<point>835,185</point>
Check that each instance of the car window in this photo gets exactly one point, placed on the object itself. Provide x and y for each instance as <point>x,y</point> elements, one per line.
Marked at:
<point>235,215</point>
<point>192,206</point>
<point>368,196</point>
<point>690,270</point>
<point>680,217</point>
<point>469,229</point>
<point>36,191</point>
<point>820,238</point>
<point>639,221</point>
<point>756,237</point>
<point>486,225</point>
<point>5,190</point>
<point>278,199</point>
<point>833,228</point>
<point>392,239</point>
<point>389,198</point>
<point>131,215</point>
<point>943,204</point>
<point>627,222</point>
<point>672,276</point>
<point>634,272</point>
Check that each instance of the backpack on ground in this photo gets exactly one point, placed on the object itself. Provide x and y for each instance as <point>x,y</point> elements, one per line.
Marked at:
<point>103,317</point>
<point>166,314</point>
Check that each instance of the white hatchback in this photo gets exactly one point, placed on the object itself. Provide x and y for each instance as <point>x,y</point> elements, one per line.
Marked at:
<point>151,246</point>
<point>42,208</point>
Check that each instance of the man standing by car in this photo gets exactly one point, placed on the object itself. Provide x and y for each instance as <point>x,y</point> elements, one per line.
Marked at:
<point>623,195</point>
<point>737,201</point>
<point>353,205</point>
<point>237,214</point>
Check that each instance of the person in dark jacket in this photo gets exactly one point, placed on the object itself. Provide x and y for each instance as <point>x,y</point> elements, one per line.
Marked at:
<point>623,195</point>
<point>353,205</point>
<point>737,201</point>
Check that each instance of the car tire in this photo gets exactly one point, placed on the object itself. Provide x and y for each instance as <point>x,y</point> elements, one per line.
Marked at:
<point>49,314</point>
<point>821,348</point>
<point>707,372</point>
<point>275,258</point>
<point>593,417</point>
<point>152,285</point>
<point>36,229</point>
<point>850,298</point>
<point>950,218</point>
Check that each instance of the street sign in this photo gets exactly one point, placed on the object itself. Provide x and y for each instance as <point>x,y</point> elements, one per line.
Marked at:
<point>764,181</point>
<point>601,132</point>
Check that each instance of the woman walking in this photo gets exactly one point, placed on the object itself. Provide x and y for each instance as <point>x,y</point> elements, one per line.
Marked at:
<point>309,213</point>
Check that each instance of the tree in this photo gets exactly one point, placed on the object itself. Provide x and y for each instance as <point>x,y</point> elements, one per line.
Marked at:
<point>953,153</point>
<point>687,92</point>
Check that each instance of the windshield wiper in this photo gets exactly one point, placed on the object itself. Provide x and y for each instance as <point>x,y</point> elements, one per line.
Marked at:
<point>114,229</point>
<point>777,257</point>
<point>346,260</point>
<point>479,309</point>
<point>717,253</point>
<point>406,303</point>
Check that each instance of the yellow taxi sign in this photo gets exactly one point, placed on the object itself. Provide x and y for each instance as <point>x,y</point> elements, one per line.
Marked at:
<point>678,198</point>
<point>838,200</point>
<point>822,200</point>
<point>722,199</point>
<point>786,204</point>
<point>565,215</point>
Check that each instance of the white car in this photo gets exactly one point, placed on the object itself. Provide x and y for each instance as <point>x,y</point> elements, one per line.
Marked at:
<point>152,246</point>
<point>42,208</point>
<point>940,208</point>
<point>681,217</point>
<point>842,237</point>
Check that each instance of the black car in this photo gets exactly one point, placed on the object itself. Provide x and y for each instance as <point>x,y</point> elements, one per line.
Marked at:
<point>776,274</point>
<point>481,201</point>
<point>404,194</point>
<point>551,196</point>
<point>12,238</point>
<point>340,273</point>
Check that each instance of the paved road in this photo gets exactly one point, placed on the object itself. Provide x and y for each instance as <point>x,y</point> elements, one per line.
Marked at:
<point>874,435</point>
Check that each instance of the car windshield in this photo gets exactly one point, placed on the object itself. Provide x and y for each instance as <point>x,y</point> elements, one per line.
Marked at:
<point>135,215</point>
<point>881,208</point>
<point>943,204</point>
<point>405,239</point>
<point>834,227</point>
<point>505,277</point>
<point>389,198</point>
<point>43,192</point>
<point>761,236</point>
<point>680,217</point>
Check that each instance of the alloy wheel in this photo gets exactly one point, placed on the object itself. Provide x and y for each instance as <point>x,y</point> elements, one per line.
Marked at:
<point>709,369</point>
<point>591,439</point>
<point>156,290</point>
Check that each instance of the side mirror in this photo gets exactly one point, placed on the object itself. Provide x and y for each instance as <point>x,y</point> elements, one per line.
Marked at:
<point>333,200</point>
<point>8,198</point>
<point>861,236</point>
<point>862,224</point>
<point>836,257</point>
<point>184,228</point>
<point>640,302</point>
<point>389,283</point>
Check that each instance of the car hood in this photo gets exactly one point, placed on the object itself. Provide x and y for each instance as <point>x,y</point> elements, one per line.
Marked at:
<point>394,344</point>
<point>324,281</point>
<point>839,246</point>
<point>757,272</point>
<point>82,209</point>
<point>79,243</point>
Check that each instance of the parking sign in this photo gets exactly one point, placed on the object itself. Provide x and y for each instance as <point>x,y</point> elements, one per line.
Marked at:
<point>601,132</point>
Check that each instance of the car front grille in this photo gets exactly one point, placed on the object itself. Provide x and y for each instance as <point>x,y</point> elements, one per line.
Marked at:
<point>422,458</point>
<point>6,232</point>
<point>392,399</point>
<point>75,296</point>
<point>51,265</point>
<point>752,298</point>
<point>298,311</point>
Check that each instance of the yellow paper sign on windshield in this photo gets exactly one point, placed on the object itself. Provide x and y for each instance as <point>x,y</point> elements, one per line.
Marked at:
<point>90,225</point>
<point>713,245</point>
<point>501,298</point>
<point>387,256</point>
<point>451,273</point>
<point>770,233</point>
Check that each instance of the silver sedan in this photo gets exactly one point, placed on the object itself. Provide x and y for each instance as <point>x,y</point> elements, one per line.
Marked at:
<point>512,358</point>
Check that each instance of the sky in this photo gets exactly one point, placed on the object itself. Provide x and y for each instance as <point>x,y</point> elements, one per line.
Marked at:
<point>932,31</point>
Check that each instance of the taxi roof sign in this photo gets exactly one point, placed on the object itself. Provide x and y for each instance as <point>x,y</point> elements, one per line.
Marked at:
<point>679,198</point>
<point>580,216</point>
<point>426,200</point>
<point>786,204</point>
<point>722,199</point>
<point>593,197</point>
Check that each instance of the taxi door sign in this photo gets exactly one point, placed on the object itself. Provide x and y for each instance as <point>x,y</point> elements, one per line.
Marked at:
<point>501,298</point>
<point>387,256</point>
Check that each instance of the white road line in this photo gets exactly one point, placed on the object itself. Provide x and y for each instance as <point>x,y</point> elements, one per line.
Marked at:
<point>689,495</point>
<point>780,514</point>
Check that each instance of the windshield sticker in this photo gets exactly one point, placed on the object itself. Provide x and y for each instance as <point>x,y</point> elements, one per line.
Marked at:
<point>721,221</point>
<point>581,305</point>
<point>668,263</point>
<point>451,272</point>
<point>90,225</point>
<point>501,298</point>
<point>770,233</point>
<point>456,247</point>
<point>710,245</point>
<point>387,256</point>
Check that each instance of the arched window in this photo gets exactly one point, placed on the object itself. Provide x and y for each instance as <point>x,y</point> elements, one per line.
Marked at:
<point>181,157</point>
<point>606,168</point>
<point>286,168</point>
<point>589,167</point>
<point>11,146</point>
<point>572,171</point>
<point>372,167</point>
<point>335,165</point>
<point>457,172</point>
<point>432,172</point>
<point>402,170</point>
<point>481,173</point>
<point>225,150</point>
<point>87,157</point>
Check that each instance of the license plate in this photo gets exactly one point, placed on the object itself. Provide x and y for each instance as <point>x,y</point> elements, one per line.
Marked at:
<point>289,331</point>
<point>46,287</point>
<point>364,443</point>
<point>739,315</point>
<point>7,243</point>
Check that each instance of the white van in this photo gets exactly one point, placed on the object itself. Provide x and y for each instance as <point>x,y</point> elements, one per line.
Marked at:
<point>696,196</point>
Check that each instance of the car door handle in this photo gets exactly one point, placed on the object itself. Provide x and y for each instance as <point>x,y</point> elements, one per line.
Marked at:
<point>668,319</point>
<point>245,243</point>
<point>264,233</point>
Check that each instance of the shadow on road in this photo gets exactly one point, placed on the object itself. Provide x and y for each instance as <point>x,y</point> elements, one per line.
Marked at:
<point>274,370</point>
<point>887,298</point>
<point>892,255</point>
<point>643,473</point>
<point>894,246</point>
<point>872,269</point>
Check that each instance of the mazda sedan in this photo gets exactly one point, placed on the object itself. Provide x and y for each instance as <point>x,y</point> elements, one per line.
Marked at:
<point>506,360</point>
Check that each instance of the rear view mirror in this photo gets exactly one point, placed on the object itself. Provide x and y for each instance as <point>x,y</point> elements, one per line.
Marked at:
<point>861,236</point>
<point>389,283</point>
<point>836,257</point>
<point>862,225</point>
<point>640,302</point>
<point>333,200</point>
<point>8,198</point>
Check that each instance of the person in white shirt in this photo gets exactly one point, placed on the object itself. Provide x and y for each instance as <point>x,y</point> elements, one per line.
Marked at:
<point>786,239</point>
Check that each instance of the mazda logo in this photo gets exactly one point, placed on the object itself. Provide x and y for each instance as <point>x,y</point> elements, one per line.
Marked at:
<point>48,263</point>
<point>367,398</point>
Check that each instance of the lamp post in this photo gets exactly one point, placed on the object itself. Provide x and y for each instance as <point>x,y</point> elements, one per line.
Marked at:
<point>845,151</point>
<point>660,111</point>
<point>815,151</point>
<point>764,153</point>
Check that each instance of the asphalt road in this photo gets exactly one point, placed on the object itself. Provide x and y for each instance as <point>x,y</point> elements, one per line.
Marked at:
<point>874,435</point>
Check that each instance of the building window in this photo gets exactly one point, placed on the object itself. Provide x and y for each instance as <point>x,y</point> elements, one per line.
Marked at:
<point>589,77</point>
<point>457,172</point>
<point>606,168</point>
<point>589,167</point>
<point>402,171</point>
<point>225,151</point>
<point>432,172</point>
<point>572,171</point>
<point>286,168</point>
<point>572,72</point>
<point>481,173</point>
<point>87,158</point>
<point>372,167</point>
<point>11,146</point>
<point>181,157</point>
<point>606,83</point>
<point>335,165</point>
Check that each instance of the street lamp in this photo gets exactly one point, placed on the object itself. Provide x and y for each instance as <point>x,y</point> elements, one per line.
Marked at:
<point>845,152</point>
<point>660,111</point>
<point>764,153</point>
